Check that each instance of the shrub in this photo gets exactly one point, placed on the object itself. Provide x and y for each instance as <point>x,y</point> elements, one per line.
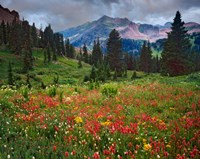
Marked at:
<point>109,90</point>
<point>52,91</point>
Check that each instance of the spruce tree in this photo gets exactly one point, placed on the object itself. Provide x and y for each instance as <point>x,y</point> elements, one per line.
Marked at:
<point>67,48</point>
<point>1,35</point>
<point>85,54</point>
<point>4,30</point>
<point>175,56</point>
<point>79,63</point>
<point>15,37</point>
<point>55,52</point>
<point>48,36</point>
<point>93,74</point>
<point>48,53</point>
<point>10,74</point>
<point>26,47</point>
<point>71,51</point>
<point>145,58</point>
<point>28,81</point>
<point>62,45</point>
<point>34,35</point>
<point>114,52</point>
<point>96,53</point>
<point>45,56</point>
<point>41,39</point>
<point>80,59</point>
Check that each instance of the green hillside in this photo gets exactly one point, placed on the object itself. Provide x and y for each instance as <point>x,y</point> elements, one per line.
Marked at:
<point>66,69</point>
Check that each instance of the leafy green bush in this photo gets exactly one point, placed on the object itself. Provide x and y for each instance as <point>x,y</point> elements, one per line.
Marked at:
<point>25,91</point>
<point>93,85</point>
<point>109,90</point>
<point>52,91</point>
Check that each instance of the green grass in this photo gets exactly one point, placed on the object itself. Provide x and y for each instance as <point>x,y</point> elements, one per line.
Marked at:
<point>67,69</point>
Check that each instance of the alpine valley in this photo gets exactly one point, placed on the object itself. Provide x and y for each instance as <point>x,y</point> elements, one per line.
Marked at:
<point>133,34</point>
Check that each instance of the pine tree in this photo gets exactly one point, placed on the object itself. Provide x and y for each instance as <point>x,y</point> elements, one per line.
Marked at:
<point>134,75</point>
<point>175,56</point>
<point>114,52</point>
<point>34,35</point>
<point>10,74</point>
<point>41,39</point>
<point>56,45</point>
<point>67,48</point>
<point>62,45</point>
<point>45,56</point>
<point>55,52</point>
<point>94,60</point>
<point>1,35</point>
<point>96,53</point>
<point>80,59</point>
<point>28,81</point>
<point>15,40</point>
<point>80,63</point>
<point>48,53</point>
<point>85,54</point>
<point>71,51</point>
<point>26,47</point>
<point>4,30</point>
<point>93,74</point>
<point>48,36</point>
<point>149,58</point>
<point>145,58</point>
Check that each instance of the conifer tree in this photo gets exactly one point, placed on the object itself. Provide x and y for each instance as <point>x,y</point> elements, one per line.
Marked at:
<point>34,35</point>
<point>93,74</point>
<point>28,81</point>
<point>48,36</point>
<point>96,53</point>
<point>114,52</point>
<point>62,45</point>
<point>134,75</point>
<point>41,39</point>
<point>26,47</point>
<point>55,52</point>
<point>10,74</point>
<point>80,59</point>
<point>175,56</point>
<point>145,58</point>
<point>71,51</point>
<point>67,48</point>
<point>4,32</point>
<point>48,53</point>
<point>85,54</point>
<point>1,35</point>
<point>15,40</point>
<point>45,56</point>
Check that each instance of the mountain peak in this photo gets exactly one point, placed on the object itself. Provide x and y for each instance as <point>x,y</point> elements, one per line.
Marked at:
<point>105,18</point>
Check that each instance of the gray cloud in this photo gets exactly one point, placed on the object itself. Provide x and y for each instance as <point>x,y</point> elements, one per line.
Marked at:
<point>62,14</point>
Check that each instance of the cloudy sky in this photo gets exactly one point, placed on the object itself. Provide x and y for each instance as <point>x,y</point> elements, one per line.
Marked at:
<point>62,14</point>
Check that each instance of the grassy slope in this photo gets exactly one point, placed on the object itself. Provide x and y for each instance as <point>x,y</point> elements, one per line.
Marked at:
<point>67,69</point>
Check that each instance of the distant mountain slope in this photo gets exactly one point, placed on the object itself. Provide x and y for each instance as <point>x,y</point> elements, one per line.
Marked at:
<point>101,28</point>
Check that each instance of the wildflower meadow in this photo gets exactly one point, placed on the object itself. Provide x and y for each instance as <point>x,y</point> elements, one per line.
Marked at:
<point>113,120</point>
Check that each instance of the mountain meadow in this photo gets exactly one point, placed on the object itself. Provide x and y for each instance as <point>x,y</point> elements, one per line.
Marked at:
<point>90,92</point>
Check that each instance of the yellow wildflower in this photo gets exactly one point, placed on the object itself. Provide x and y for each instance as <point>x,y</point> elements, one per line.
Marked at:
<point>168,146</point>
<point>78,119</point>
<point>147,147</point>
<point>106,123</point>
<point>144,140</point>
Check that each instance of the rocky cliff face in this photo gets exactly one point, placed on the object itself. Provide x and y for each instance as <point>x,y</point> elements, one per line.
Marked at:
<point>7,15</point>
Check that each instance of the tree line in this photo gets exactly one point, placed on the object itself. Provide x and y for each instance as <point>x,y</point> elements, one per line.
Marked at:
<point>177,57</point>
